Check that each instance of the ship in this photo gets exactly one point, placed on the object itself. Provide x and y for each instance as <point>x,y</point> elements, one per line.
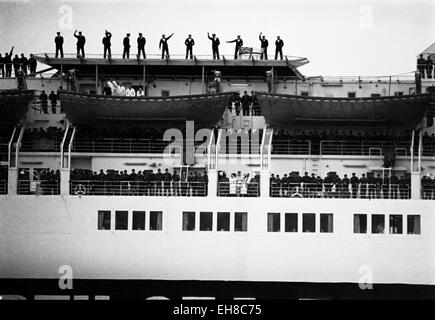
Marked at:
<point>76,221</point>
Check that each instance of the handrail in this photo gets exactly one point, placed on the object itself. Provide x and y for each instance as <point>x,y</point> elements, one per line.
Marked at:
<point>18,145</point>
<point>62,160</point>
<point>10,146</point>
<point>412,150</point>
<point>70,147</point>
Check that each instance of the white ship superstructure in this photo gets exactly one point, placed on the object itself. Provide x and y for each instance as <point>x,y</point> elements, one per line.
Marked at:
<point>214,236</point>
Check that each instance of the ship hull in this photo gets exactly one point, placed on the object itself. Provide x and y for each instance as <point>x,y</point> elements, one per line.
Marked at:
<point>40,234</point>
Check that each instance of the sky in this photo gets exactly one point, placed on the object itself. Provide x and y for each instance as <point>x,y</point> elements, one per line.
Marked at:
<point>340,37</point>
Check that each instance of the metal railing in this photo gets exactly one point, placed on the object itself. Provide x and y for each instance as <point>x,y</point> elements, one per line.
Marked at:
<point>291,147</point>
<point>42,144</point>
<point>38,187</point>
<point>111,145</point>
<point>4,151</point>
<point>428,192</point>
<point>138,188</point>
<point>158,56</point>
<point>428,149</point>
<point>364,148</point>
<point>330,190</point>
<point>238,189</point>
<point>3,186</point>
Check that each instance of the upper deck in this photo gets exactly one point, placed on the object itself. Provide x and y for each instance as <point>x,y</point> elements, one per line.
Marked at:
<point>247,65</point>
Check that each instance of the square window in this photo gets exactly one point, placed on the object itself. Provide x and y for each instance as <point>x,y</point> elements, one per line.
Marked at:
<point>188,220</point>
<point>359,223</point>
<point>351,94</point>
<point>291,222</point>
<point>241,221</point>
<point>206,221</point>
<point>414,224</point>
<point>273,222</point>
<point>165,93</point>
<point>378,223</point>
<point>309,222</point>
<point>121,220</point>
<point>304,93</point>
<point>104,218</point>
<point>326,222</point>
<point>223,221</point>
<point>155,220</point>
<point>396,224</point>
<point>138,220</point>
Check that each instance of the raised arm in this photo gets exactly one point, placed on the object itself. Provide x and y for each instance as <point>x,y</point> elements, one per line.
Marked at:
<point>259,37</point>
<point>232,41</point>
<point>12,50</point>
<point>170,36</point>
<point>208,35</point>
<point>75,34</point>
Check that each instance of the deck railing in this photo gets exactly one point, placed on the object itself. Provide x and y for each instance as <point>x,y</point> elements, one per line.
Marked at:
<point>330,190</point>
<point>138,188</point>
<point>38,187</point>
<point>238,189</point>
<point>297,147</point>
<point>3,186</point>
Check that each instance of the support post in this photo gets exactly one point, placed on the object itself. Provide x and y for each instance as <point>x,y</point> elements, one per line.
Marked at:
<point>64,181</point>
<point>96,79</point>
<point>203,80</point>
<point>264,184</point>
<point>212,183</point>
<point>12,181</point>
<point>144,79</point>
<point>61,76</point>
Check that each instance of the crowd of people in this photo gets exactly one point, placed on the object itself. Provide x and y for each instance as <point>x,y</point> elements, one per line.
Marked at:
<point>41,139</point>
<point>238,185</point>
<point>53,97</point>
<point>164,46</point>
<point>111,88</point>
<point>244,105</point>
<point>425,67</point>
<point>332,186</point>
<point>140,183</point>
<point>428,187</point>
<point>17,63</point>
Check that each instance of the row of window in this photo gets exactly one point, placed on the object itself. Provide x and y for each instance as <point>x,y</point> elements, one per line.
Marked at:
<point>360,223</point>
<point>189,223</point>
<point>291,222</point>
<point>138,220</point>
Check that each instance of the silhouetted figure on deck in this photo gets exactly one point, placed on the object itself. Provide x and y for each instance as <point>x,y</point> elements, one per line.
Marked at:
<point>141,46</point>
<point>163,44</point>
<point>126,44</point>
<point>32,65</point>
<point>429,67</point>
<point>24,64</point>
<point>278,47</point>
<point>58,40</point>
<point>189,46</point>
<point>239,44</point>
<point>44,101</point>
<point>81,40</point>
<point>8,63</point>
<point>264,45</point>
<point>214,45</point>
<point>107,45</point>
<point>421,65</point>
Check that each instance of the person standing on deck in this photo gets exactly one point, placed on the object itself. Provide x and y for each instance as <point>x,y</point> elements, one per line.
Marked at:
<point>429,67</point>
<point>32,65</point>
<point>8,63</point>
<point>107,44</point>
<point>81,40</point>
<point>24,64</point>
<point>163,44</point>
<point>421,65</point>
<point>278,47</point>
<point>264,45</point>
<point>215,45</point>
<point>126,44</point>
<point>239,44</point>
<point>58,40</point>
<point>189,46</point>
<point>141,46</point>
